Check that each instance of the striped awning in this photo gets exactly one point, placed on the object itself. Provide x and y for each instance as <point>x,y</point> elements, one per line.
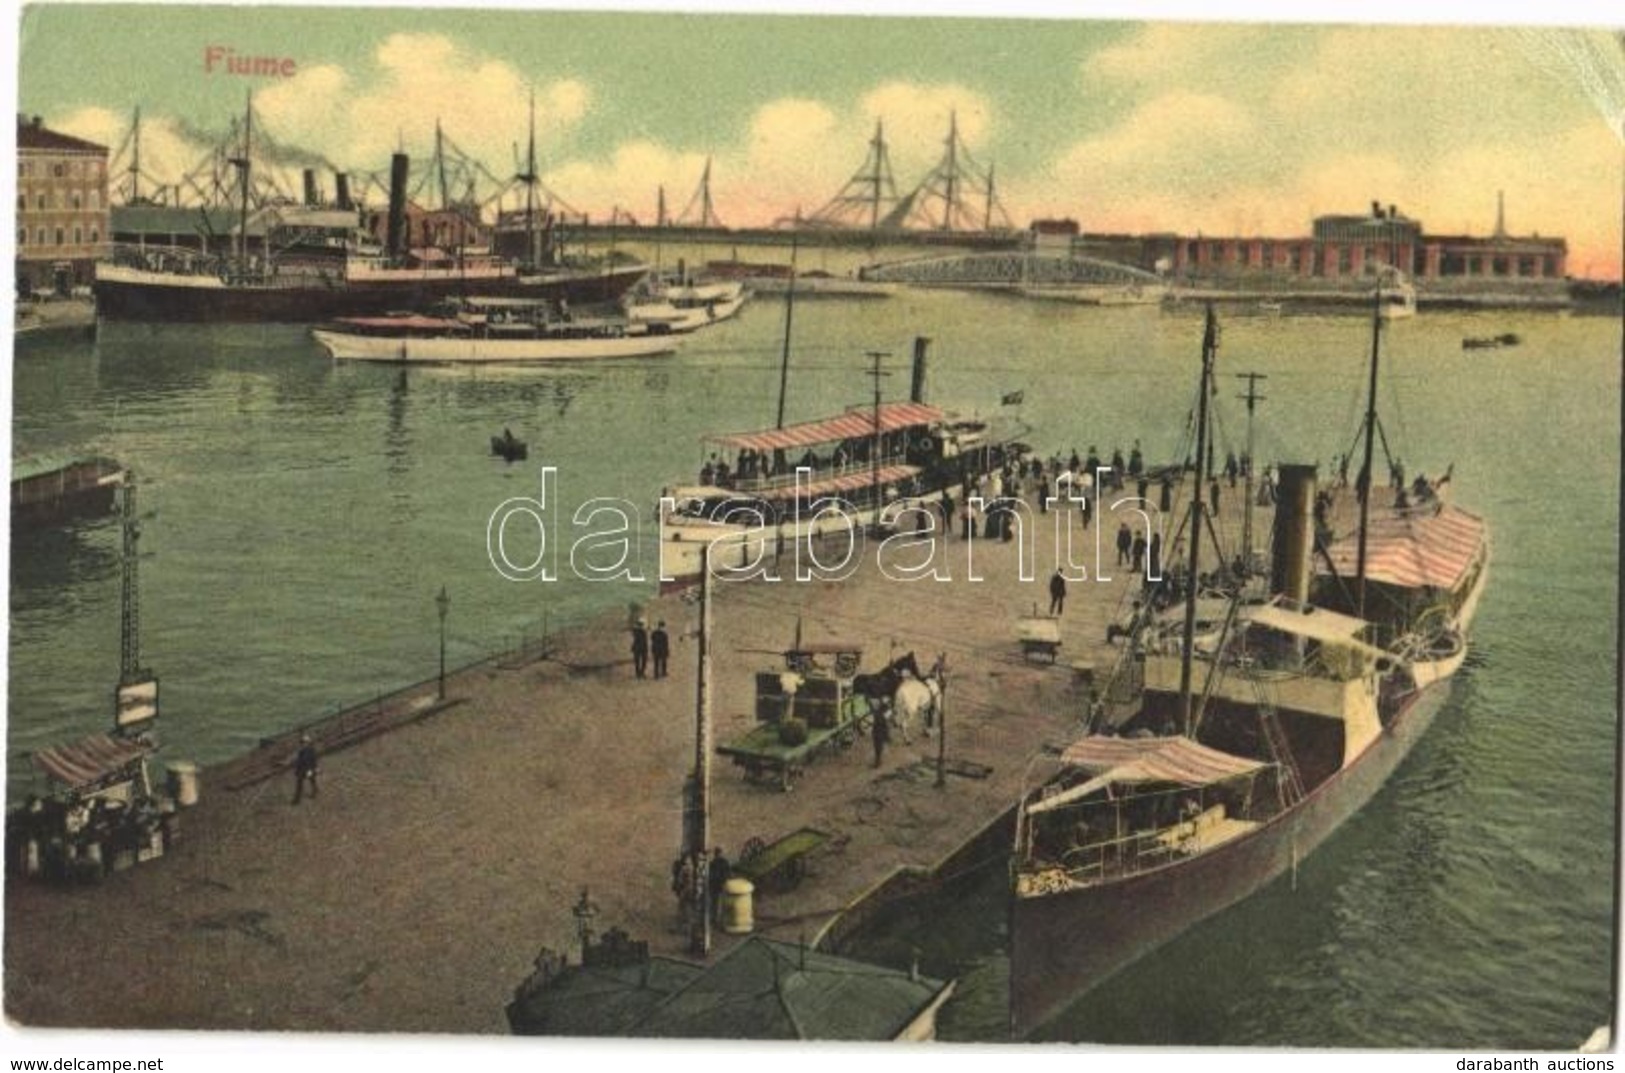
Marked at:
<point>1431,548</point>
<point>90,760</point>
<point>847,482</point>
<point>854,424</point>
<point>1177,760</point>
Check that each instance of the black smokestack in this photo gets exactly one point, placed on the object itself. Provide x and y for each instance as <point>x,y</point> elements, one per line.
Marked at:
<point>312,198</point>
<point>1294,532</point>
<point>1376,210</point>
<point>916,391</point>
<point>399,165</point>
<point>341,189</point>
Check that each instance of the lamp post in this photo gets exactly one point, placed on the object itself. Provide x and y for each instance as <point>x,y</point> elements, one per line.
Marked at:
<point>442,603</point>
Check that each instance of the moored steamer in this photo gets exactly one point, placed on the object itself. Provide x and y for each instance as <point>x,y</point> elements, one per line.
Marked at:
<point>1251,743</point>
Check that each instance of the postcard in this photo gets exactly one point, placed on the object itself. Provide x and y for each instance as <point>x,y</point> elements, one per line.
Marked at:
<point>801,526</point>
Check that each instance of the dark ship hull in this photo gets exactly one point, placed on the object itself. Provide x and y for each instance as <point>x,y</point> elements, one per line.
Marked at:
<point>309,298</point>
<point>1064,944</point>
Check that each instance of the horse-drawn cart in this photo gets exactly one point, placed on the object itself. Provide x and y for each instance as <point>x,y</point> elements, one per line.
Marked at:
<point>801,712</point>
<point>780,865</point>
<point>765,755</point>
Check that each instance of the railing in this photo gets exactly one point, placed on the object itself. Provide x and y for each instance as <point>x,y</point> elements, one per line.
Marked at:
<point>821,471</point>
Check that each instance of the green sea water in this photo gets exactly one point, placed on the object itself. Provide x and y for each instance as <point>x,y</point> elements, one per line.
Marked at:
<point>306,513</point>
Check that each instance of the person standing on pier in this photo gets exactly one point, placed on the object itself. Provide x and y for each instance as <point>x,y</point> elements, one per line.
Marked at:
<point>717,877</point>
<point>947,514</point>
<point>1153,562</point>
<point>304,768</point>
<point>682,885</point>
<point>640,647</point>
<point>1137,550</point>
<point>1125,542</point>
<point>660,648</point>
<point>879,734</point>
<point>1057,592</point>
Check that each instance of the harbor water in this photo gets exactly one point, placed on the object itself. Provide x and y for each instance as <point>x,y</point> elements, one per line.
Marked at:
<point>303,515</point>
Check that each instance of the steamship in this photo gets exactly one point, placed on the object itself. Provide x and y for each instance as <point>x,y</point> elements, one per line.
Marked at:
<point>344,273</point>
<point>1252,741</point>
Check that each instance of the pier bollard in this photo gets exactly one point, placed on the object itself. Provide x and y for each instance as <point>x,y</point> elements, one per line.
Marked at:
<point>738,917</point>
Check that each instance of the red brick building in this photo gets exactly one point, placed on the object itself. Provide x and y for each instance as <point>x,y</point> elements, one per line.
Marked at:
<point>1340,247</point>
<point>62,208</point>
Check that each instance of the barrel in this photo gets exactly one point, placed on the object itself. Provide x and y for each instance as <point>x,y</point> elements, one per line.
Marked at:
<point>183,782</point>
<point>737,917</point>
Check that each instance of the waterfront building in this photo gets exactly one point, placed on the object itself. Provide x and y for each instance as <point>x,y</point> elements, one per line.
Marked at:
<point>62,208</point>
<point>1356,246</point>
<point>446,229</point>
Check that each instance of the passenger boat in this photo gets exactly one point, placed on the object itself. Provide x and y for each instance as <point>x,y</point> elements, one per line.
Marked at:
<point>1248,747</point>
<point>683,308</point>
<point>482,332</point>
<point>762,490</point>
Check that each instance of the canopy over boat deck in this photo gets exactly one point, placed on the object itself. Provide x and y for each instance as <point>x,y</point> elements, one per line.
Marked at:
<point>1131,761</point>
<point>1432,548</point>
<point>854,424</point>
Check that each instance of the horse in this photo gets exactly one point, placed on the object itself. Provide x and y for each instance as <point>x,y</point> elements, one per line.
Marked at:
<point>880,688</point>
<point>918,699</point>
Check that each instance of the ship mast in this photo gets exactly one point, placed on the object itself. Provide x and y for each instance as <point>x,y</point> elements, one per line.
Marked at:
<point>1366,476</point>
<point>135,160</point>
<point>529,179</point>
<point>243,162</point>
<point>1253,398</point>
<point>1210,349</point>
<point>789,314</point>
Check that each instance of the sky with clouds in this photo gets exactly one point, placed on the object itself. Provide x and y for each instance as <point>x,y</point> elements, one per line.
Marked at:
<point>1213,128</point>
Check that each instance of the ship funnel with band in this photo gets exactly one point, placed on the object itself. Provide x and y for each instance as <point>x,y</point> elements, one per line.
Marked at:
<point>311,198</point>
<point>341,189</point>
<point>1294,540</point>
<point>916,391</point>
<point>398,165</point>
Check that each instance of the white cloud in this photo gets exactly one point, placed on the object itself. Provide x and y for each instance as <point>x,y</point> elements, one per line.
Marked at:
<point>794,154</point>
<point>916,120</point>
<point>1245,129</point>
<point>630,181</point>
<point>166,153</point>
<point>417,79</point>
<point>1165,53</point>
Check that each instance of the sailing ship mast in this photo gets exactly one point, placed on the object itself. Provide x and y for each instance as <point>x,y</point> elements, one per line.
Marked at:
<point>1210,348</point>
